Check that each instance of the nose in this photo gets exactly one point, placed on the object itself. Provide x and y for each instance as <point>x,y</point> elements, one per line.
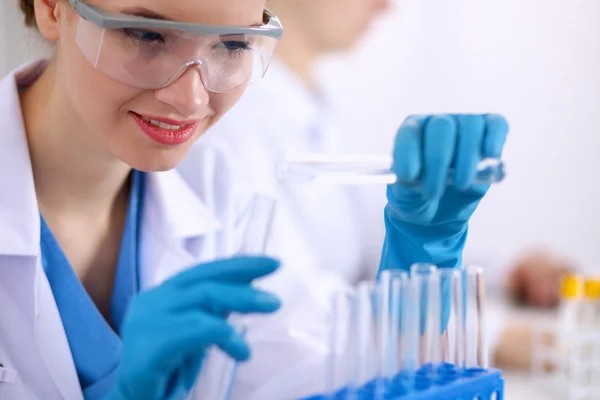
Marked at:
<point>187,94</point>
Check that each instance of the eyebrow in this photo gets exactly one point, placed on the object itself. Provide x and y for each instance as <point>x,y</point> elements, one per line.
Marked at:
<point>146,13</point>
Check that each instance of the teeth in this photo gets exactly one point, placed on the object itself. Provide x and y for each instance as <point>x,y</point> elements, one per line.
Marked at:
<point>162,124</point>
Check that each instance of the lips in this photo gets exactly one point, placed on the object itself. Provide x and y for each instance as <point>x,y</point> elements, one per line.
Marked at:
<point>162,124</point>
<point>166,131</point>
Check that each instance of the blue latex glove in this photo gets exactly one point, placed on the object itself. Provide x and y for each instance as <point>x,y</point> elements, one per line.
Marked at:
<point>426,219</point>
<point>168,329</point>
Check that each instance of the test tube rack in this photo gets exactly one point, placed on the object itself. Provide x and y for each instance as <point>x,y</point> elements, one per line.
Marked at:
<point>567,363</point>
<point>471,384</point>
<point>391,341</point>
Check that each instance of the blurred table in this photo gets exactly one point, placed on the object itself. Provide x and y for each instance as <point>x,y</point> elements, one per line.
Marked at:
<point>519,386</point>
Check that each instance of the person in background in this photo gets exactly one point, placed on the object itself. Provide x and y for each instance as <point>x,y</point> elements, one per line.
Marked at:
<point>287,113</point>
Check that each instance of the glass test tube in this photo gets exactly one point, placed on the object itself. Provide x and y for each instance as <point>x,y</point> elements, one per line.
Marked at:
<point>591,296</point>
<point>254,242</point>
<point>393,285</point>
<point>571,292</point>
<point>366,309</point>
<point>258,226</point>
<point>427,285</point>
<point>570,295</point>
<point>476,349</point>
<point>588,353</point>
<point>364,169</point>
<point>341,360</point>
<point>410,304</point>
<point>452,335</point>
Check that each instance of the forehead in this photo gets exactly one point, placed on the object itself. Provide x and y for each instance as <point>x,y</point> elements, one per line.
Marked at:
<point>211,12</point>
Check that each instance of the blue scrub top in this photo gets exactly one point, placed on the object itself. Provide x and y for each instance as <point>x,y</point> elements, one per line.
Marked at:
<point>95,346</point>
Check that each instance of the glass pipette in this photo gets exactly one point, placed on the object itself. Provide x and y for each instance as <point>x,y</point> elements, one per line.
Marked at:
<point>366,169</point>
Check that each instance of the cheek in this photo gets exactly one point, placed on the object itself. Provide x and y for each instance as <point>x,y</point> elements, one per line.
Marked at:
<point>221,103</point>
<point>96,98</point>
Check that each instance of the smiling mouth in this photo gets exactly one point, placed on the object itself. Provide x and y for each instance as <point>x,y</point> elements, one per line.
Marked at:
<point>166,131</point>
<point>162,125</point>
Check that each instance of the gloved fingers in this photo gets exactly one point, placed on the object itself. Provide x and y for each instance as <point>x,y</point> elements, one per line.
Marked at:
<point>471,129</point>
<point>439,145</point>
<point>496,131</point>
<point>236,347</point>
<point>223,298</point>
<point>181,380</point>
<point>185,335</point>
<point>408,149</point>
<point>191,370</point>
<point>242,269</point>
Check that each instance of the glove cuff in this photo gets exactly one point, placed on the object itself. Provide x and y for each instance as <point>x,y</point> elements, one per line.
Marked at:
<point>406,244</point>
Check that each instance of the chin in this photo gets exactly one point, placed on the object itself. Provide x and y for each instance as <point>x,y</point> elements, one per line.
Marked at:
<point>149,156</point>
<point>157,160</point>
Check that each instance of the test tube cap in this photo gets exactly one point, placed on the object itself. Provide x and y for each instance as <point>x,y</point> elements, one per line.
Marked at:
<point>591,288</point>
<point>571,286</point>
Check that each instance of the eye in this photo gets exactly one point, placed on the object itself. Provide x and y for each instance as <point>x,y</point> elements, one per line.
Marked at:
<point>144,35</point>
<point>234,45</point>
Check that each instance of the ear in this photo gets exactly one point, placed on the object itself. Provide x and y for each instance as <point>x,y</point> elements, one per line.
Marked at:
<point>47,15</point>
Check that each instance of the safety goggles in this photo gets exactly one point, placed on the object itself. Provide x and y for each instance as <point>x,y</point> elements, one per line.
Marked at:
<point>151,53</point>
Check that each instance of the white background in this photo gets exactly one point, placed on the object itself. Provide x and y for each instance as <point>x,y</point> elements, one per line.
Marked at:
<point>536,61</point>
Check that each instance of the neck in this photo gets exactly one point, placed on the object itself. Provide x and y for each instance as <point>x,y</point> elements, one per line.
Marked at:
<point>72,172</point>
<point>296,52</point>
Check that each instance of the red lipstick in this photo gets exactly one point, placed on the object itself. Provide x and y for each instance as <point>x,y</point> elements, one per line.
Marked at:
<point>166,131</point>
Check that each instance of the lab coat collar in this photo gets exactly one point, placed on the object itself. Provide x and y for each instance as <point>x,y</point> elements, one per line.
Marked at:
<point>182,214</point>
<point>174,225</point>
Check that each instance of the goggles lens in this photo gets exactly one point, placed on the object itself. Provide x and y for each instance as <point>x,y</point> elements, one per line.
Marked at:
<point>150,58</point>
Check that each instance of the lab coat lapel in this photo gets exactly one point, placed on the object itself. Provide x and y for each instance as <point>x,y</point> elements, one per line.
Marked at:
<point>44,364</point>
<point>52,340</point>
<point>176,228</point>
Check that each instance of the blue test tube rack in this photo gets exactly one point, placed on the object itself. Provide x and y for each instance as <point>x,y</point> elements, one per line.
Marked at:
<point>466,378</point>
<point>446,383</point>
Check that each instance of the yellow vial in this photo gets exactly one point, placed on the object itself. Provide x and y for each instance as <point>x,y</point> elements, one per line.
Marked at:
<point>571,286</point>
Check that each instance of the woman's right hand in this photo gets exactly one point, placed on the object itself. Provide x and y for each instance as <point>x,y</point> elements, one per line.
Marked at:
<point>169,328</point>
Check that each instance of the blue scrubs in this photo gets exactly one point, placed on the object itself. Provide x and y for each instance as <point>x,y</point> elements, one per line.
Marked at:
<point>95,346</point>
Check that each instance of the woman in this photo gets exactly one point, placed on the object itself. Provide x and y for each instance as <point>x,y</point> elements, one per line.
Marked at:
<point>116,265</point>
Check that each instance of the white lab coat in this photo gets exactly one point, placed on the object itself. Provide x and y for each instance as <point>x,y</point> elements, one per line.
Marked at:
<point>278,116</point>
<point>190,215</point>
